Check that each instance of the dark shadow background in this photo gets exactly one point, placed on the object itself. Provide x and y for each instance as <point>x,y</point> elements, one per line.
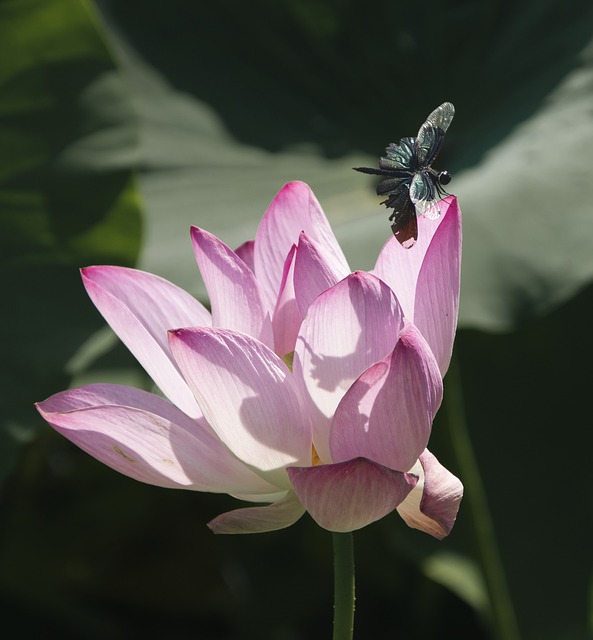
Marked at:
<point>86,553</point>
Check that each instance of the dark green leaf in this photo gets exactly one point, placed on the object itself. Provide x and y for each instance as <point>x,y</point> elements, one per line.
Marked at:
<point>238,99</point>
<point>67,190</point>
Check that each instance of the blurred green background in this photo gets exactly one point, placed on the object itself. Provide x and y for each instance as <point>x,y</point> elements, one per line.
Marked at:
<point>122,123</point>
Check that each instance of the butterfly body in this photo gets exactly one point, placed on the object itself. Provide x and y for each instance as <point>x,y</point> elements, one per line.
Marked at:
<point>411,185</point>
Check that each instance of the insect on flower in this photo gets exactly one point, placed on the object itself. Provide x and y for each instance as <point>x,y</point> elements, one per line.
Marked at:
<point>411,185</point>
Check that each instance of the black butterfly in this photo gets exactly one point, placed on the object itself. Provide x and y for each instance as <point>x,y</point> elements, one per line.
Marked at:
<point>411,184</point>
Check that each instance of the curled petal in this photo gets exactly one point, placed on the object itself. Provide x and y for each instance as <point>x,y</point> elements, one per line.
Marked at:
<point>232,289</point>
<point>248,396</point>
<point>350,495</point>
<point>141,308</point>
<point>316,270</point>
<point>276,516</point>
<point>294,209</point>
<point>433,505</point>
<point>148,439</point>
<point>387,413</point>
<point>347,329</point>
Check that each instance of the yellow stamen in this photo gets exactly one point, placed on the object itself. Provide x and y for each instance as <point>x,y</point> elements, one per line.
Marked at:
<point>288,359</point>
<point>315,459</point>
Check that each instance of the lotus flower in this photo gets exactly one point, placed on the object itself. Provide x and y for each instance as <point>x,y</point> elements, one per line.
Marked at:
<point>308,387</point>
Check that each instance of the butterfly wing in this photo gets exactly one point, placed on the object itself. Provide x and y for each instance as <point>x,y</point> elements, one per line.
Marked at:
<point>399,156</point>
<point>423,194</point>
<point>432,133</point>
<point>422,188</point>
<point>391,186</point>
<point>405,226</point>
<point>410,186</point>
<point>428,209</point>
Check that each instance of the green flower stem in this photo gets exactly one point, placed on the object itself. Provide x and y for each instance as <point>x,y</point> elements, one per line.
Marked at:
<point>343,586</point>
<point>502,613</point>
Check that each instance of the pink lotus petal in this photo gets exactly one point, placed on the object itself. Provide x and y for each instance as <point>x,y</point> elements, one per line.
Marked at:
<point>432,506</point>
<point>248,396</point>
<point>399,267</point>
<point>246,253</point>
<point>141,308</point>
<point>148,439</point>
<point>387,413</point>
<point>350,495</point>
<point>437,292</point>
<point>232,289</point>
<point>294,209</point>
<point>426,278</point>
<point>347,329</point>
<point>261,497</point>
<point>259,519</point>
<point>286,320</point>
<point>316,270</point>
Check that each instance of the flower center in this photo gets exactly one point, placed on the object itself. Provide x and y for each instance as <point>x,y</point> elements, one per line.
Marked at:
<point>288,359</point>
<point>315,459</point>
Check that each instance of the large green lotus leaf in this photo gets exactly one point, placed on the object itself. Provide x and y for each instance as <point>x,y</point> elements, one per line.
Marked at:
<point>528,224</point>
<point>68,197</point>
<point>236,100</point>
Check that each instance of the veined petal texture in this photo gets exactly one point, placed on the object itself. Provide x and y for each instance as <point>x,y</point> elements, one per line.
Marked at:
<point>141,308</point>
<point>349,495</point>
<point>148,439</point>
<point>248,396</point>
<point>433,504</point>
<point>426,279</point>
<point>286,319</point>
<point>278,515</point>
<point>232,289</point>
<point>294,209</point>
<point>246,252</point>
<point>348,328</point>
<point>387,413</point>
<point>316,270</point>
